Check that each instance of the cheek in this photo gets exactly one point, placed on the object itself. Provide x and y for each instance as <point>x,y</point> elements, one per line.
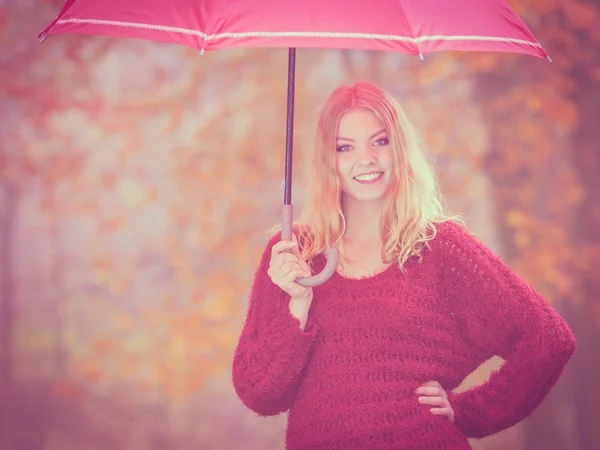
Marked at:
<point>341,166</point>
<point>339,172</point>
<point>387,161</point>
<point>390,169</point>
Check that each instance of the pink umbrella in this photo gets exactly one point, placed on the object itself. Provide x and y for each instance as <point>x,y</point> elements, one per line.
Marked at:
<point>414,27</point>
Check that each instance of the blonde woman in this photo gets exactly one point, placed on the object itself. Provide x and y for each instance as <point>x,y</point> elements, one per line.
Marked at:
<point>369,359</point>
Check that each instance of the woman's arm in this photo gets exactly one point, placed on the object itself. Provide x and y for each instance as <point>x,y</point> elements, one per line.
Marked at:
<point>272,349</point>
<point>502,314</point>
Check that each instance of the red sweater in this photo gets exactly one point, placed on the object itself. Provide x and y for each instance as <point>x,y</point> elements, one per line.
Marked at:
<point>348,379</point>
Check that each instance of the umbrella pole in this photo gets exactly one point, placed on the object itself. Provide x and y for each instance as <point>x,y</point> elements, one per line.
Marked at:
<point>287,217</point>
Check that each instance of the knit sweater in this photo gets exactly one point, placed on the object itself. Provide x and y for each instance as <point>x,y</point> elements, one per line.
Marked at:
<point>349,378</point>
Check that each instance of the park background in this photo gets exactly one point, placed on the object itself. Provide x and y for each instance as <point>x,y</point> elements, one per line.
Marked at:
<point>137,182</point>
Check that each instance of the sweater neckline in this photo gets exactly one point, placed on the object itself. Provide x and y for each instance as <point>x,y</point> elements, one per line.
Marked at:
<point>375,276</point>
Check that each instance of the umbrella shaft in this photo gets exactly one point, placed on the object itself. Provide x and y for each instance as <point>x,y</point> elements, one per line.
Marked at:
<point>289,137</point>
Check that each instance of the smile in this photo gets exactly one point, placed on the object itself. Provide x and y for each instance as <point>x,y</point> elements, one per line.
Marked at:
<point>369,178</point>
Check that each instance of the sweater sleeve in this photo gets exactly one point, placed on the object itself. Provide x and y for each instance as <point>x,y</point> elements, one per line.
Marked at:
<point>272,349</point>
<point>501,315</point>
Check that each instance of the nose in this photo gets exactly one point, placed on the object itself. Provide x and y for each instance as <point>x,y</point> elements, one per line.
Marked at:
<point>366,156</point>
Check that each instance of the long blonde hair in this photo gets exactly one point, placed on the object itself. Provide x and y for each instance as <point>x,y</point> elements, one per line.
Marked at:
<point>410,212</point>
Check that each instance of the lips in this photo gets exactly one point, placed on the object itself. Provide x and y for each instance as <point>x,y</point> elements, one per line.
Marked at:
<point>369,178</point>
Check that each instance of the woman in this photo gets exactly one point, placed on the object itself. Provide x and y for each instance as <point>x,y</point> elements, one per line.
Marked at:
<point>370,358</point>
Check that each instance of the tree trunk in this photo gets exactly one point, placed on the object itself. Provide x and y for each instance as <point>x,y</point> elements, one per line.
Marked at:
<point>8,215</point>
<point>586,237</point>
<point>59,352</point>
<point>566,420</point>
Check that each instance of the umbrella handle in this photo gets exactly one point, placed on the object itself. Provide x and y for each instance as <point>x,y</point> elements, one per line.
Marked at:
<point>331,253</point>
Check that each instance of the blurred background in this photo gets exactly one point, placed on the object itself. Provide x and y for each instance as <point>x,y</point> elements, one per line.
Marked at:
<point>138,180</point>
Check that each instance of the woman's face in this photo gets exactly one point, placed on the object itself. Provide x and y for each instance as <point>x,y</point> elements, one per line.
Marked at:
<point>363,157</point>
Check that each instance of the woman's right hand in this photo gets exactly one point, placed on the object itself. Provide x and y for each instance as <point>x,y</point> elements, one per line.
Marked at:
<point>284,268</point>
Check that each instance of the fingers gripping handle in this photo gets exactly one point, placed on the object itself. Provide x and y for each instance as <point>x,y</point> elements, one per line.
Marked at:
<point>330,253</point>
<point>330,267</point>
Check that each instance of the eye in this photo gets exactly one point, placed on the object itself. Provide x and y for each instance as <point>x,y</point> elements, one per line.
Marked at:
<point>343,148</point>
<point>382,141</point>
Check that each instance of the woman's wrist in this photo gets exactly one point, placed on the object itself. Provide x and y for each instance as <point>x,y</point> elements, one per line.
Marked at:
<point>299,308</point>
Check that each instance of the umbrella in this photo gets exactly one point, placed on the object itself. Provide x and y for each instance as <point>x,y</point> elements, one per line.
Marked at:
<point>408,26</point>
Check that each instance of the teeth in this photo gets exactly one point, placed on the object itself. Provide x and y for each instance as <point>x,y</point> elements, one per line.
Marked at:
<point>368,177</point>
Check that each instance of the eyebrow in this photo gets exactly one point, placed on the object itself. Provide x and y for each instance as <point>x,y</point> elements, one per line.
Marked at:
<point>352,140</point>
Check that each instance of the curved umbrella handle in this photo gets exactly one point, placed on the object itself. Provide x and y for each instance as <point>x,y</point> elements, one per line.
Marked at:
<point>331,253</point>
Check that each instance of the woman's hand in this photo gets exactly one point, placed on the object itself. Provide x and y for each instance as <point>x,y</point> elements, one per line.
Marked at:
<point>284,268</point>
<point>433,394</point>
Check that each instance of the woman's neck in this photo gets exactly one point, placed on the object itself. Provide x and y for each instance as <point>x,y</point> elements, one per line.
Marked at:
<point>361,245</point>
<point>362,223</point>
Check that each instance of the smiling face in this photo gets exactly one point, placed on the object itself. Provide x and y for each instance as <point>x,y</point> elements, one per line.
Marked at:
<point>364,162</point>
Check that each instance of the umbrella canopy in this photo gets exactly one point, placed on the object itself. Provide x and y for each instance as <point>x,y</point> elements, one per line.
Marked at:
<point>410,26</point>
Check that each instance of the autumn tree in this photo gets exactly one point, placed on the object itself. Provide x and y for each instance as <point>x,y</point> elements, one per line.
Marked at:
<point>544,162</point>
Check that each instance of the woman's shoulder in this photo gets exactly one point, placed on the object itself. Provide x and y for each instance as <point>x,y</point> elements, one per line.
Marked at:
<point>449,230</point>
<point>453,245</point>
<point>452,236</point>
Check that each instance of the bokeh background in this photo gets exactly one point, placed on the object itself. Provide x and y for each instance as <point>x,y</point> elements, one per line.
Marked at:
<point>137,182</point>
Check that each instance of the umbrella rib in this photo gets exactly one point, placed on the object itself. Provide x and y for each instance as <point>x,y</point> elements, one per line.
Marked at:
<point>415,42</point>
<point>275,34</point>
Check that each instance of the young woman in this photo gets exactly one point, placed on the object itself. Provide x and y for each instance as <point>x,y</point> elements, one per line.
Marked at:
<point>369,359</point>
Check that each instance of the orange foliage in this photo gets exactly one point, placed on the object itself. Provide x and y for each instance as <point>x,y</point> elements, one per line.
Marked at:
<point>146,198</point>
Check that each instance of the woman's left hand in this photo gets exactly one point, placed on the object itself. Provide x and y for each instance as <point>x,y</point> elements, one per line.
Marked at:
<point>432,393</point>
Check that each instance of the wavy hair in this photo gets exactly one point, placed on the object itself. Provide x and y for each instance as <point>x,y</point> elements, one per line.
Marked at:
<point>413,207</point>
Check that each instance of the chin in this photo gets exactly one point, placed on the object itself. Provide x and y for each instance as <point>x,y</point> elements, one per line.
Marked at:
<point>376,193</point>
<point>366,198</point>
